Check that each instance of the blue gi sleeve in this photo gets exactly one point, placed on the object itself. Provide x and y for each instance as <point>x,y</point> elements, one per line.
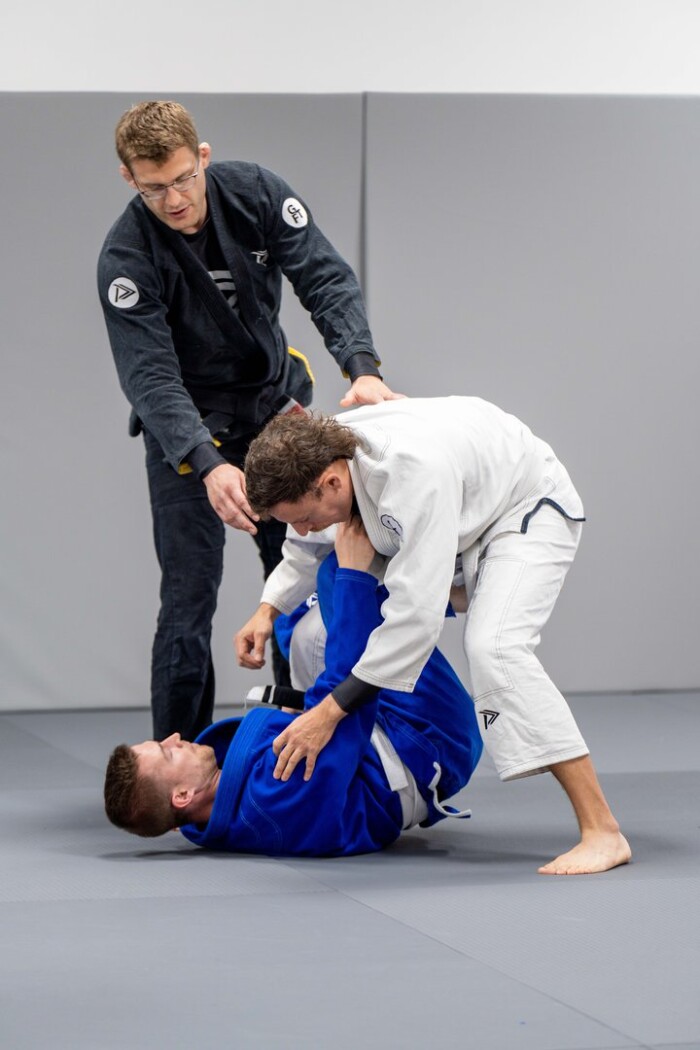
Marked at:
<point>323,281</point>
<point>326,814</point>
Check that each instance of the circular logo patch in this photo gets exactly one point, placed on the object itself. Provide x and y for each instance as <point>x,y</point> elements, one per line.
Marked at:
<point>294,213</point>
<point>390,522</point>
<point>123,293</point>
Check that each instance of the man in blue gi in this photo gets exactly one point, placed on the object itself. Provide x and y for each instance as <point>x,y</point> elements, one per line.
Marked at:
<point>388,767</point>
<point>190,280</point>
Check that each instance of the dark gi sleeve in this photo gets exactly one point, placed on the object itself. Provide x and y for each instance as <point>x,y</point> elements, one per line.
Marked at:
<point>323,281</point>
<point>142,345</point>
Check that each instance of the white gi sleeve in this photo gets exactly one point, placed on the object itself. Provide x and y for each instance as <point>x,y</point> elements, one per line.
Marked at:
<point>294,579</point>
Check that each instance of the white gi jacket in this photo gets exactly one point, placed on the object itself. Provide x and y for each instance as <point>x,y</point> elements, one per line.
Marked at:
<point>437,478</point>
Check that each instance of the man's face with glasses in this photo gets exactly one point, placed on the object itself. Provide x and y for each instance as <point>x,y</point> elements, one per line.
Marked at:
<point>174,191</point>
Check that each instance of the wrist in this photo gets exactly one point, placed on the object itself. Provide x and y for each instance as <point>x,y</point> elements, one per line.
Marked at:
<point>354,693</point>
<point>269,612</point>
<point>333,710</point>
<point>204,459</point>
<point>212,471</point>
<point>362,363</point>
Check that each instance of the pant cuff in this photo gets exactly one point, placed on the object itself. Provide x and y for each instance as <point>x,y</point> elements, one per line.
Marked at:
<point>542,764</point>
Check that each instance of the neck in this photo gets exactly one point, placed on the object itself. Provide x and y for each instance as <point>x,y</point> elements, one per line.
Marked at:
<point>199,809</point>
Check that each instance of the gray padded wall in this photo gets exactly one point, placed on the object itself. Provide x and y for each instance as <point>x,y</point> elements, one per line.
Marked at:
<point>543,253</point>
<point>536,251</point>
<point>79,581</point>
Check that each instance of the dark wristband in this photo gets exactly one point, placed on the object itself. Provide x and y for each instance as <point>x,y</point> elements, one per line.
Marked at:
<point>203,458</point>
<point>353,693</point>
<point>361,364</point>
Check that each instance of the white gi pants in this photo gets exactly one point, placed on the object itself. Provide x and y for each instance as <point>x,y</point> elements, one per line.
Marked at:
<point>307,649</point>
<point>525,722</point>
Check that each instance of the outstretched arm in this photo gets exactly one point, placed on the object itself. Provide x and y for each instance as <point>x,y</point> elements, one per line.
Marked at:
<point>326,286</point>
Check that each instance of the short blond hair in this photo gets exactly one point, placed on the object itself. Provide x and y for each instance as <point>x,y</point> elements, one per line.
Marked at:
<point>153,131</point>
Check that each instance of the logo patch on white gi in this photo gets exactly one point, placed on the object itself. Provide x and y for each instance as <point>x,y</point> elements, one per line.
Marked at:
<point>123,293</point>
<point>391,523</point>
<point>294,213</point>
<point>489,717</point>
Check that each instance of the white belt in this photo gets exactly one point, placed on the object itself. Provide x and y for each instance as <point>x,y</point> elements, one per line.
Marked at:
<point>400,779</point>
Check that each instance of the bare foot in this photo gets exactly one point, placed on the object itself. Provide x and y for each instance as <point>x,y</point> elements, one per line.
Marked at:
<point>597,851</point>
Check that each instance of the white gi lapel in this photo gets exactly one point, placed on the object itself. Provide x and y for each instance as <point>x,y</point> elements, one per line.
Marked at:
<point>385,540</point>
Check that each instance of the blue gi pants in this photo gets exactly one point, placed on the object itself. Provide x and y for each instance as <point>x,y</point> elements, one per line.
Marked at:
<point>189,539</point>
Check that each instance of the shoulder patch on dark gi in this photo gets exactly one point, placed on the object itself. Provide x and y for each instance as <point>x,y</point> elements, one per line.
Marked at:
<point>294,213</point>
<point>123,293</point>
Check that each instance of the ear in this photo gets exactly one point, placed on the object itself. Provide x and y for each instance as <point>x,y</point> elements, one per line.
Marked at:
<point>181,798</point>
<point>204,154</point>
<point>335,475</point>
<point>127,176</point>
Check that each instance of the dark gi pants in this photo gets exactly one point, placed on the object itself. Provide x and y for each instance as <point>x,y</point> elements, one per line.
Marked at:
<point>189,539</point>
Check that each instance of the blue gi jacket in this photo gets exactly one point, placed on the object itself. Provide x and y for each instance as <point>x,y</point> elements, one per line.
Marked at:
<point>347,806</point>
<point>181,351</point>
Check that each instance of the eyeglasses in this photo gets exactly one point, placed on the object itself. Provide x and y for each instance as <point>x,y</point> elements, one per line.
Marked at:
<point>182,185</point>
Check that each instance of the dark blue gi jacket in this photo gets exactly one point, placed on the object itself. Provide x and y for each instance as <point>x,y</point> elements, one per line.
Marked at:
<point>181,351</point>
<point>347,806</point>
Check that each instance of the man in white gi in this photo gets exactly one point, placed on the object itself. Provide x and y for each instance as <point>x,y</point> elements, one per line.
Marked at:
<point>446,487</point>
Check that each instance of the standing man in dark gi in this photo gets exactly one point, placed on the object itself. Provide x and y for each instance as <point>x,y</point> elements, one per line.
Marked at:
<point>190,279</point>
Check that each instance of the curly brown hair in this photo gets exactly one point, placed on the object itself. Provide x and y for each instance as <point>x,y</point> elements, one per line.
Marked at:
<point>287,458</point>
<point>154,130</point>
<point>135,802</point>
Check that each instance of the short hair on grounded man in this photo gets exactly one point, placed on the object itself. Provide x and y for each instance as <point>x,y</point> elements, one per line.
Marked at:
<point>134,802</point>
<point>154,130</point>
<point>288,457</point>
